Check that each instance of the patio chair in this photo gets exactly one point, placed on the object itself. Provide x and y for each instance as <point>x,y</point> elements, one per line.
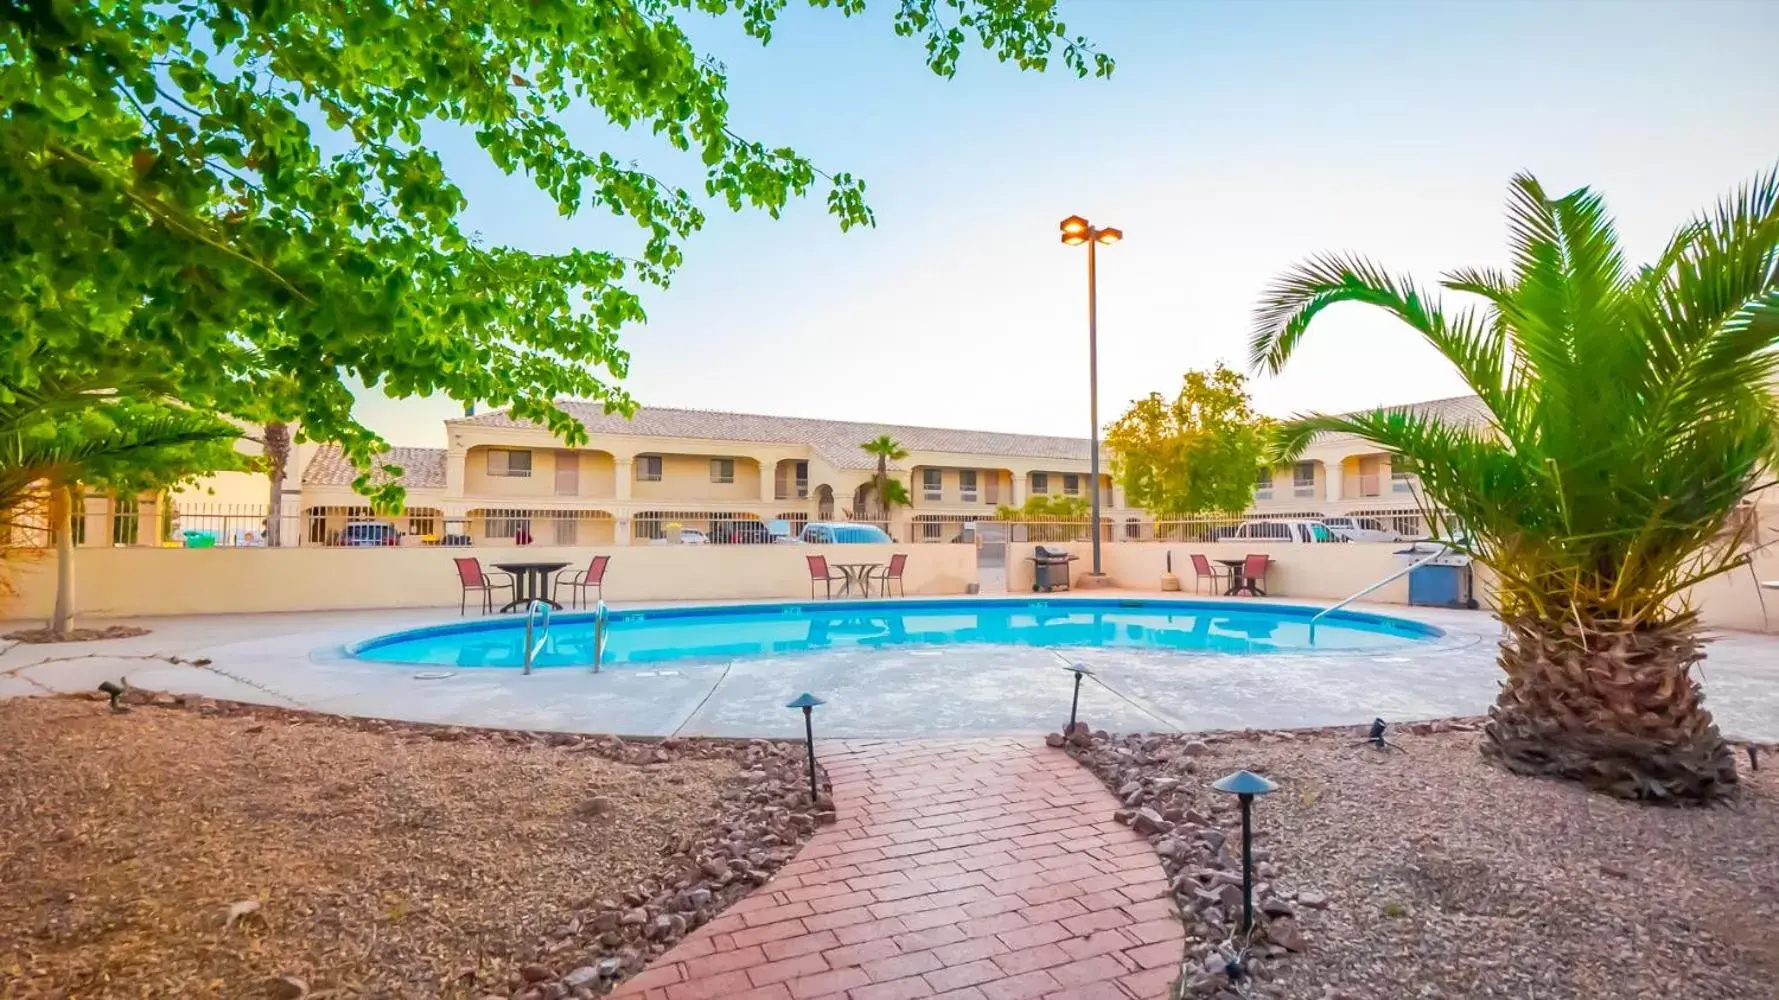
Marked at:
<point>580,581</point>
<point>1202,570</point>
<point>893,573</point>
<point>819,573</point>
<point>1254,572</point>
<point>473,577</point>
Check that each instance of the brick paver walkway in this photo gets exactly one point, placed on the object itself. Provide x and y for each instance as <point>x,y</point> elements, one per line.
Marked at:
<point>978,870</point>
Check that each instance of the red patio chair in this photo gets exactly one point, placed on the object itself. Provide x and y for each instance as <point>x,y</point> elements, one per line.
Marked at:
<point>819,572</point>
<point>592,578</point>
<point>893,572</point>
<point>473,577</point>
<point>1202,570</point>
<point>1254,573</point>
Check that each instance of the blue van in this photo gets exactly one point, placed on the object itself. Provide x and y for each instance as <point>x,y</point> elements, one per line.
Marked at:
<point>844,532</point>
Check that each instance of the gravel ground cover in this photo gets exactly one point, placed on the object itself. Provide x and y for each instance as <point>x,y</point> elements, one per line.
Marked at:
<point>1425,872</point>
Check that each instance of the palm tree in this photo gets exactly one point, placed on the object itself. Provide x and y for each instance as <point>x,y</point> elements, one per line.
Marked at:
<point>1629,412</point>
<point>887,491</point>
<point>94,437</point>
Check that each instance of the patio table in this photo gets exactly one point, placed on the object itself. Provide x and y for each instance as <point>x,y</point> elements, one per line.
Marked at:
<point>531,582</point>
<point>857,575</point>
<point>1238,581</point>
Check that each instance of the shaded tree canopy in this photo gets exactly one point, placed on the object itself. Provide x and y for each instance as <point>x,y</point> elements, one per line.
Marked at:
<point>249,197</point>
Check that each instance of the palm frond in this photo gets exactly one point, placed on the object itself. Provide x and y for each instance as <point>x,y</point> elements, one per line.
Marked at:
<point>1632,410</point>
<point>1472,341</point>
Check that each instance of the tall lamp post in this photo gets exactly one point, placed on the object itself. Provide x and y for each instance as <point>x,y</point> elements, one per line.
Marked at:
<point>1076,231</point>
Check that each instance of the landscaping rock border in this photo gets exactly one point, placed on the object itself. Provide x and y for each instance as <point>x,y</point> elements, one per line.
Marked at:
<point>765,817</point>
<point>1196,833</point>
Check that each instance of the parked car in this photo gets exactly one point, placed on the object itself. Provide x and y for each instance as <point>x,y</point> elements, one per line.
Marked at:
<point>362,533</point>
<point>687,536</point>
<point>844,532</point>
<point>1275,531</point>
<point>1361,529</point>
<point>742,533</point>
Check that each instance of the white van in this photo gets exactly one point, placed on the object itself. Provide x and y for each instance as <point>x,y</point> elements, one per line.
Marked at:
<point>1276,531</point>
<point>1361,529</point>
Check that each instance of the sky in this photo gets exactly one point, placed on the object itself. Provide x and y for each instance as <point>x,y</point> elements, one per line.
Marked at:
<point>1234,139</point>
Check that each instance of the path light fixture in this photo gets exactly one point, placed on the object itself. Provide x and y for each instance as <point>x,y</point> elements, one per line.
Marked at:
<point>1245,785</point>
<point>1079,670</point>
<point>114,691</point>
<point>1076,231</point>
<point>1379,738</point>
<point>807,703</point>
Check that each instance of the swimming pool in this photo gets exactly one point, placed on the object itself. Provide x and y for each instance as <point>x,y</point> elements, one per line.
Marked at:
<point>723,633</point>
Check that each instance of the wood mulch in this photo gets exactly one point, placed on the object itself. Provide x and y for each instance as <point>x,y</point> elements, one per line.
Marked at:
<point>40,636</point>
<point>357,859</point>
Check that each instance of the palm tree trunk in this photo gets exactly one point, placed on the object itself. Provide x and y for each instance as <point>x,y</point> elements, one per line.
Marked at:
<point>61,509</point>
<point>1611,707</point>
<point>277,445</point>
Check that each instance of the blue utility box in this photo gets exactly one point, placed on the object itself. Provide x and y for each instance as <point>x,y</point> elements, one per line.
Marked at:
<point>1440,580</point>
<point>1439,586</point>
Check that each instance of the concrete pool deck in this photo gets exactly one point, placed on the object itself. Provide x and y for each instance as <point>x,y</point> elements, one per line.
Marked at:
<point>297,660</point>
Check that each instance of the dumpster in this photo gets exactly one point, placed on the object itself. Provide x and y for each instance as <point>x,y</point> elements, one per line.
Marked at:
<point>1439,581</point>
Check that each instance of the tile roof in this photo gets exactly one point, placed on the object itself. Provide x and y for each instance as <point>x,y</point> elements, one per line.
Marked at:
<point>422,468</point>
<point>835,441</point>
<point>1462,411</point>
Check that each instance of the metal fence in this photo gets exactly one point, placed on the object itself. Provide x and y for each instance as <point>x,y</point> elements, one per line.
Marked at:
<point>106,522</point>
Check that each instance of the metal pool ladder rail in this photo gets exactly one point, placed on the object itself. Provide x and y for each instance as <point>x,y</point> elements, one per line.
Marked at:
<point>1399,574</point>
<point>537,619</point>
<point>599,625</point>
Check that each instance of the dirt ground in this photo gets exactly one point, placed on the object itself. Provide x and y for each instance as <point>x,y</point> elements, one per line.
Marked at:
<point>362,863</point>
<point>1446,877</point>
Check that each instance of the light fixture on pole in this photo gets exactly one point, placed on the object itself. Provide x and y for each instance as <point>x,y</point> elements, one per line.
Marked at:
<point>807,703</point>
<point>1076,231</point>
<point>1244,785</point>
<point>1079,670</point>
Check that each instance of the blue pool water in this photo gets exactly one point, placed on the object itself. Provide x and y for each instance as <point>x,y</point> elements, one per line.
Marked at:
<point>658,635</point>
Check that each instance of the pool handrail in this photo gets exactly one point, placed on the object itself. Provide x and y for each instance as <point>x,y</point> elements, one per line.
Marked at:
<point>599,625</point>
<point>1399,574</point>
<point>538,612</point>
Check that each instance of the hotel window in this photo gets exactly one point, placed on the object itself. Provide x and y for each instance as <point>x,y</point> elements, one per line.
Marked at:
<point>1303,479</point>
<point>1263,485</point>
<point>1071,485</point>
<point>932,484</point>
<point>509,464</point>
<point>1401,480</point>
<point>722,470</point>
<point>648,468</point>
<point>1040,482</point>
<point>966,485</point>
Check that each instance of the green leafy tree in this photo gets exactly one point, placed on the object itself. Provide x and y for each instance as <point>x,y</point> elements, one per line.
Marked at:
<point>245,193</point>
<point>1050,518</point>
<point>1195,454</point>
<point>886,493</point>
<point>1629,412</point>
<point>60,438</point>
